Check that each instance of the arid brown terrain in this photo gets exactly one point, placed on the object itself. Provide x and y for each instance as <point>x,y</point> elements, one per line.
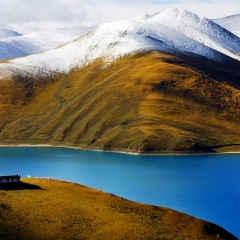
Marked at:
<point>50,209</point>
<point>148,102</point>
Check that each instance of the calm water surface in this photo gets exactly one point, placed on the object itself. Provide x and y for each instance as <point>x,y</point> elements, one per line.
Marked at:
<point>205,186</point>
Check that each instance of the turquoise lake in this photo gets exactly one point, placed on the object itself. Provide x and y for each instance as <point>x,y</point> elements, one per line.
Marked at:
<point>205,186</point>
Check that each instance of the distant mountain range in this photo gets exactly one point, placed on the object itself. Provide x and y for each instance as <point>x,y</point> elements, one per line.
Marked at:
<point>13,45</point>
<point>4,33</point>
<point>172,31</point>
<point>164,82</point>
<point>231,23</point>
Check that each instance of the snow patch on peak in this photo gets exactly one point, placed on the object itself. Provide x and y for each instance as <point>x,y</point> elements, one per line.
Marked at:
<point>179,16</point>
<point>199,29</point>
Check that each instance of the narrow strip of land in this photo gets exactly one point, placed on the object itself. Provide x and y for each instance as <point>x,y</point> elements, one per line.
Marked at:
<point>50,209</point>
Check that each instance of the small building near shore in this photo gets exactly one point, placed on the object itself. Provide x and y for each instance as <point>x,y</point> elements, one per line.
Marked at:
<point>10,179</point>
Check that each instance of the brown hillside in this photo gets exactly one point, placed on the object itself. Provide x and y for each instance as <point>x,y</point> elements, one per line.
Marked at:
<point>44,209</point>
<point>150,102</point>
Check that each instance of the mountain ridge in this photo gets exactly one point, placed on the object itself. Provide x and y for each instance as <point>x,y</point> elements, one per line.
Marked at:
<point>150,102</point>
<point>145,89</point>
<point>171,31</point>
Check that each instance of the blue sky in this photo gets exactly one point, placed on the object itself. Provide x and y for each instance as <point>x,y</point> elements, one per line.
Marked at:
<point>33,15</point>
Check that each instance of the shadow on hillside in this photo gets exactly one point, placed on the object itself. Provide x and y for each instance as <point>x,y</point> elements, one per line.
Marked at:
<point>214,229</point>
<point>18,186</point>
<point>225,71</point>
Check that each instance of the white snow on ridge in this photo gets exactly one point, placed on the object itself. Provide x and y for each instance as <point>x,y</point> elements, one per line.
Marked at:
<point>202,30</point>
<point>19,46</point>
<point>4,33</point>
<point>144,16</point>
<point>231,23</point>
<point>171,30</point>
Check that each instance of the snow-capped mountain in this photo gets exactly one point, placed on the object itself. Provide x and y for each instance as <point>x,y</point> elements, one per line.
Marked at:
<point>4,33</point>
<point>21,45</point>
<point>231,23</point>
<point>172,30</point>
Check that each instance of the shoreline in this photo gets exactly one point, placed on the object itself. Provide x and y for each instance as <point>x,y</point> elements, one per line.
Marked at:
<point>63,209</point>
<point>115,151</point>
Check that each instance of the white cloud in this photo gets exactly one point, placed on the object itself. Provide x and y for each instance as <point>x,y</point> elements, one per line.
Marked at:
<point>34,15</point>
<point>30,15</point>
<point>206,8</point>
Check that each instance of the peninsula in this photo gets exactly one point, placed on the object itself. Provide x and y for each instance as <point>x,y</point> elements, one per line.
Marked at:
<point>52,209</point>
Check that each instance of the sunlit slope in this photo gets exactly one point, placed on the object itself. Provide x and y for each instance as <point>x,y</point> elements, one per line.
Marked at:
<point>44,209</point>
<point>150,102</point>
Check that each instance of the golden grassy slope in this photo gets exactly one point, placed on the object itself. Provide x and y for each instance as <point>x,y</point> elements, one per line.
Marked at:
<point>150,102</point>
<point>61,210</point>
